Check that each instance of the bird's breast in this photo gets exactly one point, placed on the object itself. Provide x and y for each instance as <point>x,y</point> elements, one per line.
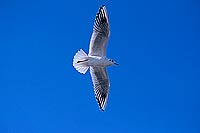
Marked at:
<point>97,61</point>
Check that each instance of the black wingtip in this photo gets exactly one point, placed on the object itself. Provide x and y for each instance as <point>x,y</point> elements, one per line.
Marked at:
<point>101,108</point>
<point>101,7</point>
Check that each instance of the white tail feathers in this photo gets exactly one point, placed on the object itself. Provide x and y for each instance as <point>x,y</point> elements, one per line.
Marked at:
<point>80,61</point>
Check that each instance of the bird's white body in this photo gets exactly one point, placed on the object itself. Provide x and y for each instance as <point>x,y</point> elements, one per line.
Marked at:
<point>96,59</point>
<point>99,61</point>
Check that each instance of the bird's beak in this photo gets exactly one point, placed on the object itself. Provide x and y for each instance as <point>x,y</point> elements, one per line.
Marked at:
<point>116,63</point>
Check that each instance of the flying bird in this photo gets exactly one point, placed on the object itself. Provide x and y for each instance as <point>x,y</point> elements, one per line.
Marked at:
<point>96,60</point>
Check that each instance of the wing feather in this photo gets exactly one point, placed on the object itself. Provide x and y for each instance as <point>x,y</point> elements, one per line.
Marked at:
<point>100,35</point>
<point>101,85</point>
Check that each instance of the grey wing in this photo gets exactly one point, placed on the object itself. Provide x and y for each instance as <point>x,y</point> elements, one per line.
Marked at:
<point>101,85</point>
<point>100,35</point>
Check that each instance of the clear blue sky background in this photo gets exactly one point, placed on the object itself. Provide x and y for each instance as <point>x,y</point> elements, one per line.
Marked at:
<point>154,90</point>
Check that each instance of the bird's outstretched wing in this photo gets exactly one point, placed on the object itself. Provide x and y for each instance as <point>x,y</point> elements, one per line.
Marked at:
<point>101,85</point>
<point>100,35</point>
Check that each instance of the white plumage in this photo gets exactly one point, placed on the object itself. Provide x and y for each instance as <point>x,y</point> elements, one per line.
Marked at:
<point>96,59</point>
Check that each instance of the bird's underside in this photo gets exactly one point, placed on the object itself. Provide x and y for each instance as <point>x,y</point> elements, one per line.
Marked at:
<point>98,43</point>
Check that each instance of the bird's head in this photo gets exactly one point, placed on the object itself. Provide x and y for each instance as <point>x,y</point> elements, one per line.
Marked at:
<point>112,62</point>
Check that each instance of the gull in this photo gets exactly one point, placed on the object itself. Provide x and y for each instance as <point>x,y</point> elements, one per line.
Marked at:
<point>96,60</point>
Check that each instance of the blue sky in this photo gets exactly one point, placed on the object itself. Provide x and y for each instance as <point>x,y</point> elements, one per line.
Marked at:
<point>154,90</point>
